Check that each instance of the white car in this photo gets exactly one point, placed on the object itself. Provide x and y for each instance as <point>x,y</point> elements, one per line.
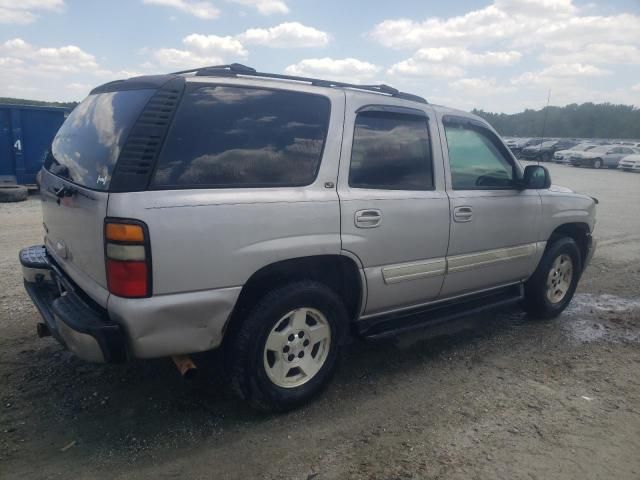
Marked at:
<point>630,163</point>
<point>564,156</point>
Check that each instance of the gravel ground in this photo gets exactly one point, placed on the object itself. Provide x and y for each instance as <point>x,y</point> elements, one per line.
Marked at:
<point>493,396</point>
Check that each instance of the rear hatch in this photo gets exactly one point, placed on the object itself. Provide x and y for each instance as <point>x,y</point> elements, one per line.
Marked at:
<point>78,175</point>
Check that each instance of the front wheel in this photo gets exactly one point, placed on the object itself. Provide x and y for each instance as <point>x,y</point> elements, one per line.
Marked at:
<point>551,287</point>
<point>287,348</point>
<point>597,163</point>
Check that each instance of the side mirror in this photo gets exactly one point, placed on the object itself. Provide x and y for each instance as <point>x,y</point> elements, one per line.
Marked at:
<point>536,177</point>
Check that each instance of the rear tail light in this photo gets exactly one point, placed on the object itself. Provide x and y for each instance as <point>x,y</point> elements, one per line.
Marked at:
<point>128,258</point>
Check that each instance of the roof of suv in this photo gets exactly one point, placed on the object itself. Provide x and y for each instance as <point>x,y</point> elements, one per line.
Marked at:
<point>236,69</point>
<point>242,72</point>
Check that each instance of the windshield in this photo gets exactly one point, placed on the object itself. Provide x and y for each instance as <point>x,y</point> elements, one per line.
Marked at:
<point>88,144</point>
<point>600,149</point>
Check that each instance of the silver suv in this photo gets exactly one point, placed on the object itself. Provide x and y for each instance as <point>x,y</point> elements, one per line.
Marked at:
<point>272,217</point>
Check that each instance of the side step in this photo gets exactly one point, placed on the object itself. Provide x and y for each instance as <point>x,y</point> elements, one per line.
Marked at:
<point>421,317</point>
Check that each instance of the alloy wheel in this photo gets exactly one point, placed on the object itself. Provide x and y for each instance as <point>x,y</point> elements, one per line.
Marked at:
<point>297,347</point>
<point>559,279</point>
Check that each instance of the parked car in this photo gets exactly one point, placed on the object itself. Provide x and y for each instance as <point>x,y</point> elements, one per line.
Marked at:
<point>630,163</point>
<point>516,144</point>
<point>564,156</point>
<point>604,156</point>
<point>544,152</point>
<point>270,219</point>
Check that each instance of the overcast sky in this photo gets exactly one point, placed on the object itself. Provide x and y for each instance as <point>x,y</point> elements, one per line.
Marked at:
<point>500,55</point>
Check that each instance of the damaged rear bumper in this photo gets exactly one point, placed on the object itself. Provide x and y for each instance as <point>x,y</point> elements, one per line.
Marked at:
<point>75,321</point>
<point>158,326</point>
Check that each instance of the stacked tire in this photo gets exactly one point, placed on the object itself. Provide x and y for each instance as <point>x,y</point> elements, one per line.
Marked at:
<point>13,193</point>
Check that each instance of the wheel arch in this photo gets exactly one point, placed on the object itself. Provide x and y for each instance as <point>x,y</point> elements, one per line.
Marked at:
<point>341,273</point>
<point>578,231</point>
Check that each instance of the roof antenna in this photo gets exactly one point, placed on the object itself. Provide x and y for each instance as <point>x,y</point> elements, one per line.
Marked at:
<point>544,124</point>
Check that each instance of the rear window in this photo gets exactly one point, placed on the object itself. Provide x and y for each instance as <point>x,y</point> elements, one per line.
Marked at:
<point>88,144</point>
<point>224,137</point>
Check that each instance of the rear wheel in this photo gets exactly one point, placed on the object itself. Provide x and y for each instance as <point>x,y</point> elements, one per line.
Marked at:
<point>287,348</point>
<point>545,157</point>
<point>597,163</point>
<point>551,287</point>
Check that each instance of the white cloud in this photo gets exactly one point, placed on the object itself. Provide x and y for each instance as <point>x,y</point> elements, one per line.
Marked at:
<point>594,53</point>
<point>177,59</point>
<point>286,35</point>
<point>346,69</point>
<point>445,61</point>
<point>69,58</point>
<point>265,7</point>
<point>49,72</point>
<point>526,23</point>
<point>555,73</point>
<point>199,9</point>
<point>200,50</point>
<point>636,87</point>
<point>480,85</point>
<point>214,43</point>
<point>24,11</point>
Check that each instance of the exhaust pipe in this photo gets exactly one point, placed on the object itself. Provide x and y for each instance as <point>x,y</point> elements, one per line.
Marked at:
<point>43,330</point>
<point>185,365</point>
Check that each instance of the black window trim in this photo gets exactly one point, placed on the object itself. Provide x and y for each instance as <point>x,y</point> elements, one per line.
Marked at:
<point>398,110</point>
<point>200,84</point>
<point>495,140</point>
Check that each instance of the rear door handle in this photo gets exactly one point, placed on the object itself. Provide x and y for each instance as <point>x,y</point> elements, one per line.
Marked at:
<point>462,214</point>
<point>369,218</point>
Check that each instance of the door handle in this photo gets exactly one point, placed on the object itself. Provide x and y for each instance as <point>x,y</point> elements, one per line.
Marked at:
<point>369,218</point>
<point>462,214</point>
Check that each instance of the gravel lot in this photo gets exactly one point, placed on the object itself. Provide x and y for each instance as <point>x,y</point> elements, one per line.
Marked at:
<point>494,396</point>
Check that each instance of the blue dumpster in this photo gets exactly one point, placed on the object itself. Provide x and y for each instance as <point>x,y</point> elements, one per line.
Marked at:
<point>26,133</point>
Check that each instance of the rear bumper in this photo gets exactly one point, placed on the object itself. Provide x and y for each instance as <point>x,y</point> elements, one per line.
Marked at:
<point>158,326</point>
<point>75,321</point>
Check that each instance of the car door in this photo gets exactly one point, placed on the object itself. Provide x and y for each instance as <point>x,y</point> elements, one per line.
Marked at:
<point>394,208</point>
<point>494,227</point>
<point>613,158</point>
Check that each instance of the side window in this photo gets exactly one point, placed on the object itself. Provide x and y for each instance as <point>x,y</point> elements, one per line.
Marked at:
<point>391,151</point>
<point>476,160</point>
<point>225,137</point>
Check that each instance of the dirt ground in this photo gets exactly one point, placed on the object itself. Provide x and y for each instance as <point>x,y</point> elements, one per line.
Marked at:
<point>496,396</point>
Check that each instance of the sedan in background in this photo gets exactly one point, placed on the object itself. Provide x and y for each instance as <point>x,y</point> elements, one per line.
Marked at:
<point>630,163</point>
<point>545,151</point>
<point>564,156</point>
<point>605,156</point>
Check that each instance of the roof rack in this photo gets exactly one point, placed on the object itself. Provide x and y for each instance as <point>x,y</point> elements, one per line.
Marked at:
<point>235,69</point>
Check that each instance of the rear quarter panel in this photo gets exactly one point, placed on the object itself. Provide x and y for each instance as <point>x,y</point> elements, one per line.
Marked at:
<point>204,239</point>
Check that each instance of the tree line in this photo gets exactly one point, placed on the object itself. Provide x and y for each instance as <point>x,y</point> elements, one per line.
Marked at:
<point>38,103</point>
<point>588,120</point>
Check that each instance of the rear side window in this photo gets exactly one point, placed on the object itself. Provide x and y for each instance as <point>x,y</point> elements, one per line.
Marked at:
<point>391,151</point>
<point>225,136</point>
<point>86,148</point>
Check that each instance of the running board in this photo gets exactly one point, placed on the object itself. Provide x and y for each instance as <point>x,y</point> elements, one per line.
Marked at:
<point>409,320</point>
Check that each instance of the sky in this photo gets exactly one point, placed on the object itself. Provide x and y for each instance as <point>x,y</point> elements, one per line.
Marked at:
<point>497,55</point>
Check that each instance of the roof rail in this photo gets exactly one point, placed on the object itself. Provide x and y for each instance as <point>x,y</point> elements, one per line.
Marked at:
<point>234,69</point>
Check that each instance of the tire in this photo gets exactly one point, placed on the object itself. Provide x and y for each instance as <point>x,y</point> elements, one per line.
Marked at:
<point>545,157</point>
<point>541,297</point>
<point>13,193</point>
<point>597,163</point>
<point>254,370</point>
